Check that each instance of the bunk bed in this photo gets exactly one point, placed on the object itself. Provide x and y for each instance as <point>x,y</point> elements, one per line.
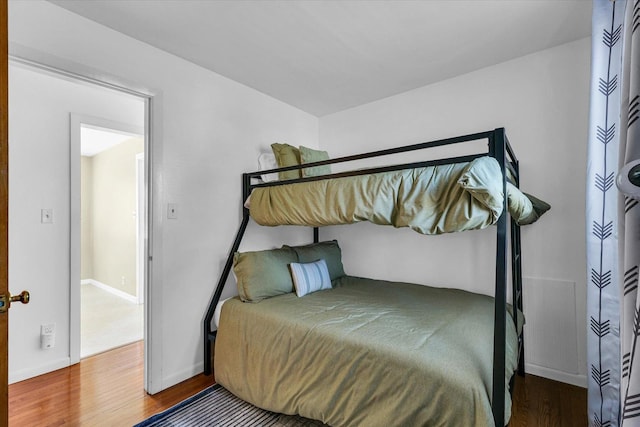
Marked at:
<point>272,384</point>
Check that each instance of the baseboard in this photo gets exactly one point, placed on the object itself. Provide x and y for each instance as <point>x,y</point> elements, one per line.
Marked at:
<point>552,374</point>
<point>183,375</point>
<point>111,290</point>
<point>25,374</point>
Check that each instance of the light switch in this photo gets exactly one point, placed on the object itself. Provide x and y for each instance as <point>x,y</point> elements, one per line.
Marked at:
<point>46,216</point>
<point>172,211</point>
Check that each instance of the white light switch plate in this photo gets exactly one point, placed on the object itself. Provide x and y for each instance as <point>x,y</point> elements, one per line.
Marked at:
<point>46,216</point>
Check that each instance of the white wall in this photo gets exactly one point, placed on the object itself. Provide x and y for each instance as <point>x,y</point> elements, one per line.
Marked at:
<point>542,101</point>
<point>39,162</point>
<point>206,130</point>
<point>113,228</point>
<point>86,220</point>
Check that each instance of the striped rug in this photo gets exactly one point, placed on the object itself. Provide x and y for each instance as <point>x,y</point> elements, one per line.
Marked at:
<point>215,406</point>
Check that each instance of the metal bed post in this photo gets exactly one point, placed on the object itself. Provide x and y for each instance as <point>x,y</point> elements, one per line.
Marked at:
<point>497,149</point>
<point>209,335</point>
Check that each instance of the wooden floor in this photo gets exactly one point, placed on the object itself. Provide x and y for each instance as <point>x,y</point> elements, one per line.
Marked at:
<point>102,390</point>
<point>541,402</point>
<point>107,390</point>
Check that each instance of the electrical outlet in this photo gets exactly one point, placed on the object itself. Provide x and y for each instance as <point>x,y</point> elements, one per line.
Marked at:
<point>47,336</point>
<point>48,329</point>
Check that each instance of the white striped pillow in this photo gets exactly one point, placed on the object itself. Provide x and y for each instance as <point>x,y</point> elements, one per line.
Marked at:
<point>310,277</point>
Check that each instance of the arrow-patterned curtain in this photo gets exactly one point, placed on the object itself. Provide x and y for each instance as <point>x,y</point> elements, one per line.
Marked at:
<point>603,294</point>
<point>613,221</point>
<point>629,229</point>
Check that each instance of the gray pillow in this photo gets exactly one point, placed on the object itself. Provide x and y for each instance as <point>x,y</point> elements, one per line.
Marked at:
<point>328,251</point>
<point>540,206</point>
<point>263,274</point>
<point>309,155</point>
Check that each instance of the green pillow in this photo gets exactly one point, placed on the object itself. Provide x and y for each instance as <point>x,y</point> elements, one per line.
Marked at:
<point>540,206</point>
<point>309,155</point>
<point>263,274</point>
<point>328,251</point>
<point>287,155</point>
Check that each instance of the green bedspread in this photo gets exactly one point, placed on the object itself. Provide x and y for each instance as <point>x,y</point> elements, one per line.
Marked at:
<point>366,353</point>
<point>431,200</point>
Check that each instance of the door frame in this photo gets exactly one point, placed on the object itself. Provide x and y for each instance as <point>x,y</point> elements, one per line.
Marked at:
<point>76,122</point>
<point>141,228</point>
<point>4,212</point>
<point>153,133</point>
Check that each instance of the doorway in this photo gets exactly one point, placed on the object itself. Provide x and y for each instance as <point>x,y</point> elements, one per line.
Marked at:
<point>108,226</point>
<point>112,237</point>
<point>48,107</point>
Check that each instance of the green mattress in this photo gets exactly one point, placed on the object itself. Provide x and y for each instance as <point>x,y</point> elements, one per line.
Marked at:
<point>366,353</point>
<point>430,200</point>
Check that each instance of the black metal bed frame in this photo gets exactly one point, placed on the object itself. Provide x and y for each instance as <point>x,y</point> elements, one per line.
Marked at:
<point>499,148</point>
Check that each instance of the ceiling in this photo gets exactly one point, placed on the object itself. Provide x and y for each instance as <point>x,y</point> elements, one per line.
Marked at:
<point>326,56</point>
<point>94,140</point>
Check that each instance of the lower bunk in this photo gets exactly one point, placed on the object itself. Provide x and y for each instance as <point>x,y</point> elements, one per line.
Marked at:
<point>366,353</point>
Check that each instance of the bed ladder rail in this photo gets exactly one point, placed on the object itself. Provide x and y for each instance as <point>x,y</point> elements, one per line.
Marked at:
<point>209,334</point>
<point>500,149</point>
<point>516,278</point>
<point>516,266</point>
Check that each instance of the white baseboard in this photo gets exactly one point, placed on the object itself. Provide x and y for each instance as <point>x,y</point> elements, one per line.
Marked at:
<point>111,290</point>
<point>25,374</point>
<point>552,374</point>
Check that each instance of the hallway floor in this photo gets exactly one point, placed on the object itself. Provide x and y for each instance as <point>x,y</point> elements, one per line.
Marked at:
<point>108,321</point>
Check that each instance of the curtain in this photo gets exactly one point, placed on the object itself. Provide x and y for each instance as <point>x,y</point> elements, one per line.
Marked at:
<point>629,224</point>
<point>613,220</point>
<point>603,291</point>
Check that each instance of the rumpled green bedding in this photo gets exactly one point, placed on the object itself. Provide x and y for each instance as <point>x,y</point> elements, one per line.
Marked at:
<point>366,353</point>
<point>431,200</point>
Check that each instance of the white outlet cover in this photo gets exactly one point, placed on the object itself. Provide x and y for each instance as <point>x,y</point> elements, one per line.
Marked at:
<point>47,341</point>
<point>48,329</point>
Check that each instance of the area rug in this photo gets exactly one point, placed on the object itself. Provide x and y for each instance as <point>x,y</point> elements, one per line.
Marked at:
<point>216,406</point>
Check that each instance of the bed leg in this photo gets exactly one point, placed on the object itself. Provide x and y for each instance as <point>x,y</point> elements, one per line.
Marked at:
<point>521,358</point>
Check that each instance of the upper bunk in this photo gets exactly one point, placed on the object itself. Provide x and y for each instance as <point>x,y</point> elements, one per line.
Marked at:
<point>431,196</point>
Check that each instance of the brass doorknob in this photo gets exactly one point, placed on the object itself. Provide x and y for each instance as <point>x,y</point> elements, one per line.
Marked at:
<point>6,300</point>
<point>24,297</point>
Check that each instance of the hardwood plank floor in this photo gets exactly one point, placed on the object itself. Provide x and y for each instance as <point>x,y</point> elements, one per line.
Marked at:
<point>107,390</point>
<point>102,390</point>
<point>539,401</point>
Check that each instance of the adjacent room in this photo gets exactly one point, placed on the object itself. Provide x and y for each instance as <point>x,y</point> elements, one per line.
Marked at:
<point>383,202</point>
<point>112,238</point>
